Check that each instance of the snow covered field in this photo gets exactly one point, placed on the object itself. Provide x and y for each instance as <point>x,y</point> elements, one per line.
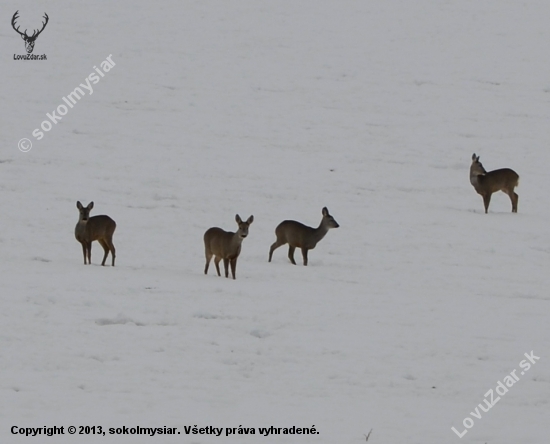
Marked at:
<point>406,315</point>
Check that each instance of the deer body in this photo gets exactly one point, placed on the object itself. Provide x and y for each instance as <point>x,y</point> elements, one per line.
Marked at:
<point>298,235</point>
<point>96,228</point>
<point>488,182</point>
<point>225,245</point>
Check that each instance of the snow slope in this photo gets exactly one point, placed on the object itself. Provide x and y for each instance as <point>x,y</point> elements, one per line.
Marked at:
<point>406,315</point>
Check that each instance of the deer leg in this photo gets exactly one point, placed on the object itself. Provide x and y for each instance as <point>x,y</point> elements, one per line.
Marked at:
<point>89,248</point>
<point>233,266</point>
<point>304,255</point>
<point>514,198</point>
<point>217,260</point>
<point>226,266</point>
<point>112,248</point>
<point>291,253</point>
<point>105,249</point>
<point>84,251</point>
<point>275,245</point>
<point>208,259</point>
<point>486,201</point>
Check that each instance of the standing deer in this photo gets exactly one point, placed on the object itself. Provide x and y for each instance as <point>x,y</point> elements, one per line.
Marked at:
<point>29,40</point>
<point>487,183</point>
<point>89,229</point>
<point>225,245</point>
<point>298,235</point>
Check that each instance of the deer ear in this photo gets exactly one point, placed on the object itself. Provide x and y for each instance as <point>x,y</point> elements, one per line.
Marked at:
<point>22,36</point>
<point>78,205</point>
<point>238,219</point>
<point>474,157</point>
<point>325,211</point>
<point>250,220</point>
<point>90,205</point>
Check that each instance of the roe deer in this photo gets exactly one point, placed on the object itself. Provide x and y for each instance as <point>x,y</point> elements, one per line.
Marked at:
<point>89,229</point>
<point>225,245</point>
<point>296,234</point>
<point>487,183</point>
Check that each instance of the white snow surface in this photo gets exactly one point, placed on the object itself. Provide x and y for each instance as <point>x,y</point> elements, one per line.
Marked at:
<point>405,316</point>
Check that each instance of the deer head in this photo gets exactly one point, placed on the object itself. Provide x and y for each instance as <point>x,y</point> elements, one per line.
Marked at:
<point>29,40</point>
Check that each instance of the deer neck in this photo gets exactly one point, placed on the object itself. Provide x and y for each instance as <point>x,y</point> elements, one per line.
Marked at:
<point>475,176</point>
<point>320,231</point>
<point>236,240</point>
<point>80,229</point>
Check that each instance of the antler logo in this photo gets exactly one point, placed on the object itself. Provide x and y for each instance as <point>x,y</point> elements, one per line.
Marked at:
<point>29,40</point>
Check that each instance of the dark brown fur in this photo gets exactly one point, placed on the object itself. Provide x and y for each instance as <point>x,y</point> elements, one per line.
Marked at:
<point>225,245</point>
<point>487,183</point>
<point>298,235</point>
<point>96,228</point>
